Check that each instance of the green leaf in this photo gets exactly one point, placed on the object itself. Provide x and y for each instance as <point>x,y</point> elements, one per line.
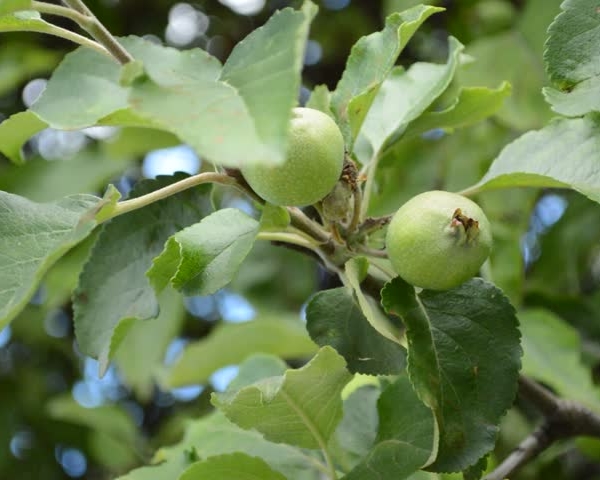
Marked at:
<point>403,97</point>
<point>203,258</point>
<point>9,6</point>
<point>265,70</point>
<point>112,287</point>
<point>546,158</point>
<point>230,344</point>
<point>552,350</point>
<point>302,408</point>
<point>406,440</point>
<point>235,465</point>
<point>85,87</point>
<point>472,105</point>
<point>369,63</point>
<point>356,433</point>
<point>15,131</point>
<point>33,236</point>
<point>334,318</point>
<point>140,354</point>
<point>463,361</point>
<point>572,57</point>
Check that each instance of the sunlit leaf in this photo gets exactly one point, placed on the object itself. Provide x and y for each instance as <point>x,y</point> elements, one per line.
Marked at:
<point>303,407</point>
<point>369,63</point>
<point>201,259</point>
<point>563,154</point>
<point>242,466</point>
<point>15,131</point>
<point>33,236</point>
<point>9,6</point>
<point>403,97</point>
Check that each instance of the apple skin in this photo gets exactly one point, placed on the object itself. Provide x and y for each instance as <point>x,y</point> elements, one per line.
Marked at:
<point>438,240</point>
<point>312,167</point>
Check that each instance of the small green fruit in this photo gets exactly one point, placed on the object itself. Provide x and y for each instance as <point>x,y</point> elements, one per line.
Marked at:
<point>312,167</point>
<point>438,240</point>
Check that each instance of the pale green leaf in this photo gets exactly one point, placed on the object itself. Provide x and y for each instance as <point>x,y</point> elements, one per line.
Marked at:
<point>573,60</point>
<point>472,105</point>
<point>274,218</point>
<point>112,287</point>
<point>463,361</point>
<point>406,439</point>
<point>334,318</point>
<point>369,63</point>
<point>203,258</point>
<point>33,236</point>
<point>234,465</point>
<point>403,97</point>
<point>552,350</point>
<point>265,69</point>
<point>15,131</point>
<point>563,154</point>
<point>230,344</point>
<point>302,408</point>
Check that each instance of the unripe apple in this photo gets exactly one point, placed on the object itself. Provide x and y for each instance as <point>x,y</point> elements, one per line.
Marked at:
<point>438,240</point>
<point>312,166</point>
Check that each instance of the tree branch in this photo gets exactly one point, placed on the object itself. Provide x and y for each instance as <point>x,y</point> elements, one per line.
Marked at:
<point>563,419</point>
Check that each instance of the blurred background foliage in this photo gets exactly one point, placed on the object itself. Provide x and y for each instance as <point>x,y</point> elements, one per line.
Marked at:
<point>59,420</point>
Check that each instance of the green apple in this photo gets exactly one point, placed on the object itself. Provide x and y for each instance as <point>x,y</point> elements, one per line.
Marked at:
<point>438,240</point>
<point>312,166</point>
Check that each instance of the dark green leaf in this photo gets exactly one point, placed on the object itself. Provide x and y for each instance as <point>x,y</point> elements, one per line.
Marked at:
<point>463,360</point>
<point>406,440</point>
<point>33,236</point>
<point>369,63</point>
<point>571,58</point>
<point>112,287</point>
<point>201,259</point>
<point>334,318</point>
<point>546,158</point>
<point>302,408</point>
<point>19,62</point>
<point>234,465</point>
<point>229,344</point>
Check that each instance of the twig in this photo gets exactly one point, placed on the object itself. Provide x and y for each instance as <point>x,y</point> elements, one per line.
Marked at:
<point>563,419</point>
<point>50,9</point>
<point>97,30</point>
